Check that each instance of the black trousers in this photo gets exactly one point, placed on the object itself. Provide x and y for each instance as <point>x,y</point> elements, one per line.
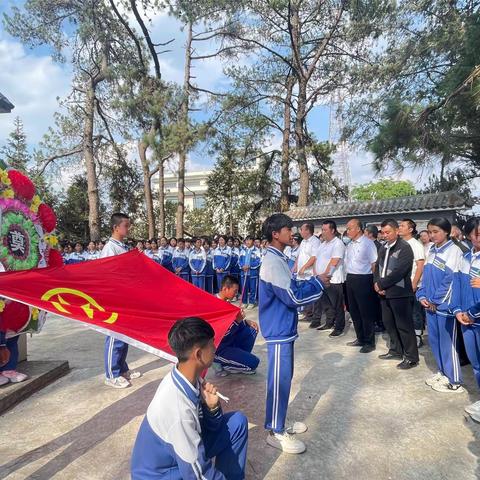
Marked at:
<point>362,304</point>
<point>398,321</point>
<point>332,304</point>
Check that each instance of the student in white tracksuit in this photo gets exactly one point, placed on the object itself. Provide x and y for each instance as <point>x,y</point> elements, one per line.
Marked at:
<point>117,372</point>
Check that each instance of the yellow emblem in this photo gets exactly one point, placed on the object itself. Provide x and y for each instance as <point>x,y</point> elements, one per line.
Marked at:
<point>56,296</point>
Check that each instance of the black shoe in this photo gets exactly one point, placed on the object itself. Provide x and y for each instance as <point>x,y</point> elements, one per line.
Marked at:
<point>335,333</point>
<point>324,327</point>
<point>367,349</point>
<point>390,356</point>
<point>355,343</point>
<point>406,365</point>
<point>379,329</point>
<point>314,324</point>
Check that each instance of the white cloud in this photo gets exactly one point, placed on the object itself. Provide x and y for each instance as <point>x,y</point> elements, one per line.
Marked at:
<point>32,83</point>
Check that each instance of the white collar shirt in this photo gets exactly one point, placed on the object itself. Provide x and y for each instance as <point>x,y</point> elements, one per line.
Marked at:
<point>325,252</point>
<point>308,248</point>
<point>360,255</point>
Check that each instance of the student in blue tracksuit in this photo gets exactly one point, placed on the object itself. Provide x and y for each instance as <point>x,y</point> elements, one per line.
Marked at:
<point>91,253</point>
<point>466,303</point>
<point>221,259</point>
<point>435,295</point>
<point>180,261</point>
<point>234,266</point>
<point>117,373</point>
<point>209,272</point>
<point>197,261</point>
<point>250,260</point>
<point>77,256</point>
<point>279,298</point>
<point>166,252</point>
<point>156,253</point>
<point>184,428</point>
<point>234,354</point>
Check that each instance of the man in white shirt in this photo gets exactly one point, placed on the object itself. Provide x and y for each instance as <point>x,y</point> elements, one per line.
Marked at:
<point>360,257</point>
<point>330,254</point>
<point>407,230</point>
<point>305,261</point>
<point>424,238</point>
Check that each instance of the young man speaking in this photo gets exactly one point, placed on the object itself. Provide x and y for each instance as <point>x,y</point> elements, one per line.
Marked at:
<point>279,299</point>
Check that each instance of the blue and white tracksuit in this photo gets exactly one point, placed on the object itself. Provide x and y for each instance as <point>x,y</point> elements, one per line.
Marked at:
<point>437,284</point>
<point>209,272</point>
<point>167,254</point>
<point>180,260</point>
<point>292,257</point>
<point>466,298</point>
<point>279,298</point>
<point>156,256</point>
<point>115,350</point>
<point>234,265</point>
<point>221,260</point>
<point>74,258</point>
<point>89,255</point>
<point>234,353</point>
<point>179,437</point>
<point>197,262</point>
<point>251,258</point>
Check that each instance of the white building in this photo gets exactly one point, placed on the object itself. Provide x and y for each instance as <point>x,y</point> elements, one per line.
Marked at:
<point>195,188</point>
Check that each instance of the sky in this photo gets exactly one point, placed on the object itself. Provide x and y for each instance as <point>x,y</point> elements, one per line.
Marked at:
<point>33,82</point>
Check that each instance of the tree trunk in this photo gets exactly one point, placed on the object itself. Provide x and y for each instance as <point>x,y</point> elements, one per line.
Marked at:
<point>285,162</point>
<point>300,145</point>
<point>161,198</point>
<point>147,187</point>
<point>88,155</point>
<point>182,157</point>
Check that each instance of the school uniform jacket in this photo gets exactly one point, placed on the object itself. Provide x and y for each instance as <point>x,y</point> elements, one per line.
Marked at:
<point>113,247</point>
<point>197,261</point>
<point>166,256</point>
<point>437,282</point>
<point>222,258</point>
<point>280,296</point>
<point>75,257</point>
<point>465,298</point>
<point>209,272</point>
<point>169,443</point>
<point>180,260</point>
<point>251,257</point>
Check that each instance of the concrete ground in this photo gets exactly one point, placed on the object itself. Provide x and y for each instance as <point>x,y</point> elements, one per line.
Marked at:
<point>366,419</point>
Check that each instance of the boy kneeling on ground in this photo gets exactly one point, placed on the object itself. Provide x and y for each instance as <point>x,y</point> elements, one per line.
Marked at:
<point>185,428</point>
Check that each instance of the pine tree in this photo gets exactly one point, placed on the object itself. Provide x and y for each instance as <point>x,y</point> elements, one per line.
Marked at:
<point>15,152</point>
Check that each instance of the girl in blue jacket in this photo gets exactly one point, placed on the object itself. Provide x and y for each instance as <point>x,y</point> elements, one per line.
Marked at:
<point>222,256</point>
<point>198,261</point>
<point>435,295</point>
<point>466,303</point>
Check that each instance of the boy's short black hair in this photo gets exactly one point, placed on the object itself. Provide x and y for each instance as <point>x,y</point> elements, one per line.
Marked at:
<point>117,218</point>
<point>181,240</point>
<point>331,224</point>
<point>229,281</point>
<point>249,237</point>
<point>412,225</point>
<point>372,230</point>
<point>188,333</point>
<point>274,223</point>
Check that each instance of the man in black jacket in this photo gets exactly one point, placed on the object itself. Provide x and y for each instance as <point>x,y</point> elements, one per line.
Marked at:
<point>393,283</point>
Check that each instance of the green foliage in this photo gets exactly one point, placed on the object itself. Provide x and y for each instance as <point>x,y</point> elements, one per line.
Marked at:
<point>383,189</point>
<point>15,152</point>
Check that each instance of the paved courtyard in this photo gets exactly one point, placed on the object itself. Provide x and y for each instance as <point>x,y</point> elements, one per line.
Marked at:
<point>366,419</point>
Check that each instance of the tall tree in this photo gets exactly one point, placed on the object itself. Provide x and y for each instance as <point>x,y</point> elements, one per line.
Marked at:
<point>15,151</point>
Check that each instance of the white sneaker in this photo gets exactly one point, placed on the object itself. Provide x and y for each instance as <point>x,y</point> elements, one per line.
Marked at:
<point>296,428</point>
<point>473,408</point>
<point>475,416</point>
<point>131,374</point>
<point>447,388</point>
<point>243,372</point>
<point>3,380</point>
<point>118,382</point>
<point>286,442</point>
<point>14,376</point>
<point>438,377</point>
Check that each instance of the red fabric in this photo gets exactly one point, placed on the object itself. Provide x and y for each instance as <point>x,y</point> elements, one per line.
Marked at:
<point>47,217</point>
<point>14,317</point>
<point>54,258</point>
<point>21,184</point>
<point>140,298</point>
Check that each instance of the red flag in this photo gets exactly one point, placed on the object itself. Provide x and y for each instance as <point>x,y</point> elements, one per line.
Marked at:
<point>127,296</point>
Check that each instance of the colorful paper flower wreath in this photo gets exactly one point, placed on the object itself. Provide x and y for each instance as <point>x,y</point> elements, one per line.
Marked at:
<point>26,241</point>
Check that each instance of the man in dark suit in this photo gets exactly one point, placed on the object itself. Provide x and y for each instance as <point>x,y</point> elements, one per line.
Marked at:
<point>393,283</point>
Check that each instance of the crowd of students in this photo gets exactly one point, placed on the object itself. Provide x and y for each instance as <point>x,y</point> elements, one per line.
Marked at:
<point>391,279</point>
